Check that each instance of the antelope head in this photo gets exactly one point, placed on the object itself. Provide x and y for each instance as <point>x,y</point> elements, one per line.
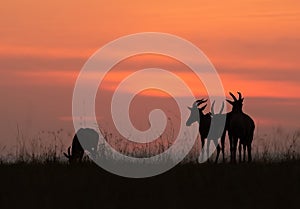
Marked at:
<point>69,155</point>
<point>195,116</point>
<point>237,104</point>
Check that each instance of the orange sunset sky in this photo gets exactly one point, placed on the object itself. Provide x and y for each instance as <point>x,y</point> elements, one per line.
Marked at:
<point>254,46</point>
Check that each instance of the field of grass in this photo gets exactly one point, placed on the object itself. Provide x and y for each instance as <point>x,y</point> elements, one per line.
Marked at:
<point>35,176</point>
<point>59,185</point>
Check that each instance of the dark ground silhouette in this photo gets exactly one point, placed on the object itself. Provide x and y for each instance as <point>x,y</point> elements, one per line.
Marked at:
<point>59,185</point>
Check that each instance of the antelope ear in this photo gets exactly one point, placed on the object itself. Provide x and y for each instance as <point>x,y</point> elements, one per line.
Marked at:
<point>202,108</point>
<point>230,102</point>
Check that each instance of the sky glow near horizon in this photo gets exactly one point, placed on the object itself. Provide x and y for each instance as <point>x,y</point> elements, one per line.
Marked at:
<point>254,46</point>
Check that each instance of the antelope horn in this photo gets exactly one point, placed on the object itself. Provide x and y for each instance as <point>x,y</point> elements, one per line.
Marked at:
<point>200,101</point>
<point>240,95</point>
<point>234,98</point>
<point>222,108</point>
<point>212,108</point>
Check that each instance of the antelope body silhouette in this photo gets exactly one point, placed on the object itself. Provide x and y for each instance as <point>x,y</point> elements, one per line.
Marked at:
<point>218,123</point>
<point>240,127</point>
<point>90,137</point>
<point>205,121</point>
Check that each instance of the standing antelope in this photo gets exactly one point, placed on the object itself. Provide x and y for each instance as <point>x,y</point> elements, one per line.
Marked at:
<point>240,127</point>
<point>218,128</point>
<point>90,139</point>
<point>204,121</point>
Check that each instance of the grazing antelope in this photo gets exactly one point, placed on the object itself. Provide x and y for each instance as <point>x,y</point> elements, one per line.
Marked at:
<point>90,139</point>
<point>240,127</point>
<point>204,121</point>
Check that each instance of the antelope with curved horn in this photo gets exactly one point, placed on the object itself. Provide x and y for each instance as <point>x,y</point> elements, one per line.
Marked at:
<point>204,120</point>
<point>240,127</point>
<point>217,124</point>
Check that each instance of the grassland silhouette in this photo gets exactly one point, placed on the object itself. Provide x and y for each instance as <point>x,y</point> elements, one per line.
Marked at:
<point>40,176</point>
